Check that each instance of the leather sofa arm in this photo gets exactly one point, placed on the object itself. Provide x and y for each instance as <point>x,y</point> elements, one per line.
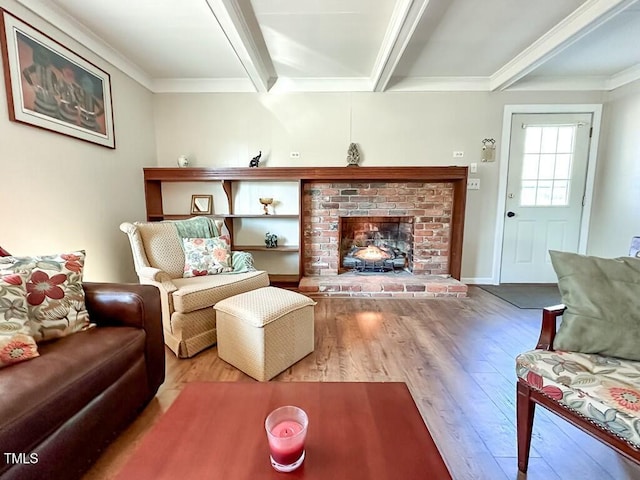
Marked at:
<point>132,305</point>
<point>548,328</point>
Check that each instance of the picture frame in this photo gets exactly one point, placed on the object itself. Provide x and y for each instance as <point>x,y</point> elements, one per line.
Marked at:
<point>53,88</point>
<point>201,204</point>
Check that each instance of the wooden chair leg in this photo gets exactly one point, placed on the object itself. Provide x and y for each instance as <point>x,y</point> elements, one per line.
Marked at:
<point>525,410</point>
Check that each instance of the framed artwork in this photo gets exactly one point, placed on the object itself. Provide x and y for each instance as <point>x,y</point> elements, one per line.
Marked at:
<point>51,87</point>
<point>201,204</point>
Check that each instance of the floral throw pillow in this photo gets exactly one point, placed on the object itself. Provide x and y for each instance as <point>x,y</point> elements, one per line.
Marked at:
<point>16,342</point>
<point>206,256</point>
<point>55,298</point>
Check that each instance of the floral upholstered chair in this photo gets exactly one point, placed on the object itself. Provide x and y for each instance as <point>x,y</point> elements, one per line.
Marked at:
<point>588,372</point>
<point>194,268</point>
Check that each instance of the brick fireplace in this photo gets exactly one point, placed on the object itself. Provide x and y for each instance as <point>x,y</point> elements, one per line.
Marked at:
<point>429,204</point>
<point>423,212</point>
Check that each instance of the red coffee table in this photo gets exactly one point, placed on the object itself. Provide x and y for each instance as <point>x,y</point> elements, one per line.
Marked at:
<point>356,431</point>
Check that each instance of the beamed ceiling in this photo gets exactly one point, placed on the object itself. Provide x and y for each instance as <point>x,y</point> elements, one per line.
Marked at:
<point>358,45</point>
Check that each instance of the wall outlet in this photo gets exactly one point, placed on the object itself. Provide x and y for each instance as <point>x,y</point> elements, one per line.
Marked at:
<point>294,155</point>
<point>473,184</point>
<point>458,154</point>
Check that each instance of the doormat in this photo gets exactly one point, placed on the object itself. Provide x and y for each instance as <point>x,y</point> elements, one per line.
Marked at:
<point>526,295</point>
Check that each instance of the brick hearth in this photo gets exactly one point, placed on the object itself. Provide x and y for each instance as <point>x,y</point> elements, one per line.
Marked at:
<point>394,285</point>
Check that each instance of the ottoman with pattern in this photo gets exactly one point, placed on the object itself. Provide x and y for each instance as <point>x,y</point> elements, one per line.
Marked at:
<point>265,331</point>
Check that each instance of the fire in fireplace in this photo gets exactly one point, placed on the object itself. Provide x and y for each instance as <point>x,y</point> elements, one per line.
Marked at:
<point>374,259</point>
<point>376,244</point>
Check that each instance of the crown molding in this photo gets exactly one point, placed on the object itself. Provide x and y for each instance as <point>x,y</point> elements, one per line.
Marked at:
<point>61,20</point>
<point>407,84</point>
<point>566,83</point>
<point>340,84</point>
<point>439,84</point>
<point>579,23</point>
<point>202,85</point>
<point>624,77</point>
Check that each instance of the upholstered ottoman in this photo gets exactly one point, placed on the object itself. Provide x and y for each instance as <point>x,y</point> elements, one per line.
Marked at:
<point>264,331</point>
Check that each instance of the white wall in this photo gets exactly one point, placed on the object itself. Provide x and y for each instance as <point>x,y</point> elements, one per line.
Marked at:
<point>616,214</point>
<point>391,129</point>
<point>59,194</point>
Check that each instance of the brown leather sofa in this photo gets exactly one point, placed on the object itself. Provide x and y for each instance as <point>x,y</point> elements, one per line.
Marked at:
<point>60,410</point>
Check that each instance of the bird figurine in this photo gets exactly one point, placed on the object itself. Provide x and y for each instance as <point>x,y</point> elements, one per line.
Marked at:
<point>255,161</point>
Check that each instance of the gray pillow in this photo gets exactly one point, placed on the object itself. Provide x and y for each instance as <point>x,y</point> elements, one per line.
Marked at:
<point>602,296</point>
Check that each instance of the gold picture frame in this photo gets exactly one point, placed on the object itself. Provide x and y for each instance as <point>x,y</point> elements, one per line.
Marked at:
<point>201,204</point>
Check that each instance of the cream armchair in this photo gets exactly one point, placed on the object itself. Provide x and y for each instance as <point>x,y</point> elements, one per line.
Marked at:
<point>188,317</point>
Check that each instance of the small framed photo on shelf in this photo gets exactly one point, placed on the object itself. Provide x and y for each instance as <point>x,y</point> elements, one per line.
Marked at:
<point>201,204</point>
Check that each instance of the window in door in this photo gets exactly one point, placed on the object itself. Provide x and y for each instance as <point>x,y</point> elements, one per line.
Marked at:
<point>546,166</point>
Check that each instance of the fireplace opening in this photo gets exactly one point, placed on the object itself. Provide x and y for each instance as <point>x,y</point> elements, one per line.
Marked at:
<point>376,244</point>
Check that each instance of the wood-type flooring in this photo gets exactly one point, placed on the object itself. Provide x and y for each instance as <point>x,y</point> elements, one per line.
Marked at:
<point>457,358</point>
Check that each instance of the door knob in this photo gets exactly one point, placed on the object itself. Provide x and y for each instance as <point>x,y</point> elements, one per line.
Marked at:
<point>511,214</point>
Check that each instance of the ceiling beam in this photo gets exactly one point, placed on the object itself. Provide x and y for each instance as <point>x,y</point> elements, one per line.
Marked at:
<point>404,20</point>
<point>586,18</point>
<point>239,24</point>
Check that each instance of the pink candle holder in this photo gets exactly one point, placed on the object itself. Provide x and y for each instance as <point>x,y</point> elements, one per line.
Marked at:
<point>286,431</point>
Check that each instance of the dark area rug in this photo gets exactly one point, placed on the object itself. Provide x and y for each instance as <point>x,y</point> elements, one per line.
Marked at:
<point>526,295</point>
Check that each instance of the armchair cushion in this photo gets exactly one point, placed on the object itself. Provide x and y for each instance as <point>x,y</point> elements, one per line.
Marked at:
<point>602,297</point>
<point>604,390</point>
<point>204,292</point>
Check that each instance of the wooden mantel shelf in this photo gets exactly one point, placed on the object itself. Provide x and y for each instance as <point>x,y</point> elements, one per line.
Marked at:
<point>456,175</point>
<point>201,174</point>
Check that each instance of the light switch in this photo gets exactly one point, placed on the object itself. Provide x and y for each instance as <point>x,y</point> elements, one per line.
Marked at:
<point>473,168</point>
<point>473,184</point>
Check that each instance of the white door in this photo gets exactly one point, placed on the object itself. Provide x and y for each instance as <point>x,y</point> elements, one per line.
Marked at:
<point>546,178</point>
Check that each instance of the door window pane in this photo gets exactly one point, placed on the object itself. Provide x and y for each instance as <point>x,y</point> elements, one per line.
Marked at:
<point>560,192</point>
<point>528,193</point>
<point>532,140</point>
<point>530,167</point>
<point>563,166</point>
<point>543,195</point>
<point>565,139</point>
<point>547,167</point>
<point>549,141</point>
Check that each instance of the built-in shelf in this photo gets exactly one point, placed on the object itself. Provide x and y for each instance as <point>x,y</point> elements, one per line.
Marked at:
<point>263,248</point>
<point>455,175</point>
<point>221,215</point>
<point>251,215</point>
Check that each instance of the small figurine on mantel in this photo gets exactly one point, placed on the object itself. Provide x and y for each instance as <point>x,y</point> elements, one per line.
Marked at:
<point>271,240</point>
<point>255,161</point>
<point>353,155</point>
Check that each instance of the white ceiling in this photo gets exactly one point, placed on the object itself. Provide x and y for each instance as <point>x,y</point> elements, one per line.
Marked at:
<point>358,45</point>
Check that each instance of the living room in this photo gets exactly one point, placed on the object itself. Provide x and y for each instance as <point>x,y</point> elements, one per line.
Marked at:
<point>61,194</point>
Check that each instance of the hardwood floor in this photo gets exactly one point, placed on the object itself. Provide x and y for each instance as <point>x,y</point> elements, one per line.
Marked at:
<point>456,356</point>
